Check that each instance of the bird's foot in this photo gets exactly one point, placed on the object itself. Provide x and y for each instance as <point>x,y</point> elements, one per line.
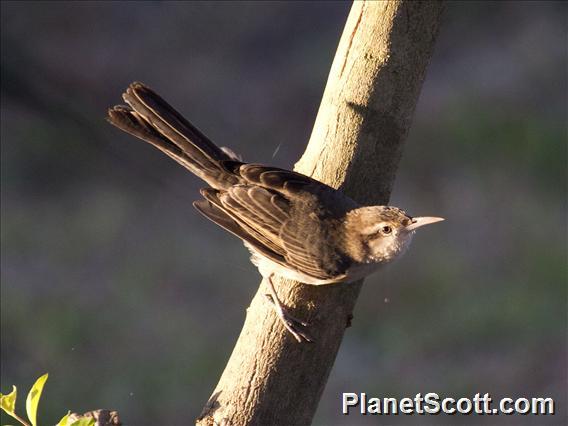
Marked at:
<point>295,326</point>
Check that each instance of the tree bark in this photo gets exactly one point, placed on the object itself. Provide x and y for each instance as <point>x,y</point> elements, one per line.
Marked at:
<point>356,145</point>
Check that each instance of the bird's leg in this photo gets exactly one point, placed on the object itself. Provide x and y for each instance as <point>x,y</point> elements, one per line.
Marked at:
<point>293,325</point>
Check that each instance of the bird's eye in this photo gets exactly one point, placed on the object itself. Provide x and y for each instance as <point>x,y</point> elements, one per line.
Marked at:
<point>386,230</point>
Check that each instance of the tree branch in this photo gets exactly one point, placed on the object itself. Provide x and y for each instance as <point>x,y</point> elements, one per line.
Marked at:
<point>356,145</point>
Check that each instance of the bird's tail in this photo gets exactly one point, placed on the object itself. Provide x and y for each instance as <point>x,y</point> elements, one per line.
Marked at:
<point>150,118</point>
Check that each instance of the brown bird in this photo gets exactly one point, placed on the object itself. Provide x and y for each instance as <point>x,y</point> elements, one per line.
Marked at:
<point>294,226</point>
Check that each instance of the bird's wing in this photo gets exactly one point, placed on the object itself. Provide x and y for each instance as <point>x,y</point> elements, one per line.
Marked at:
<point>212,211</point>
<point>278,215</point>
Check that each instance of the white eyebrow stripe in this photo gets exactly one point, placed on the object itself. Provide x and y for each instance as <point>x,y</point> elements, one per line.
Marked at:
<point>371,229</point>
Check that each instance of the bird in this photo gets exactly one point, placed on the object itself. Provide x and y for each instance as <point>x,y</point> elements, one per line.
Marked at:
<point>294,226</point>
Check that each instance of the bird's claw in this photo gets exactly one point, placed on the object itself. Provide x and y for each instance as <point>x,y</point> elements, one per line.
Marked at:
<point>294,325</point>
<point>296,328</point>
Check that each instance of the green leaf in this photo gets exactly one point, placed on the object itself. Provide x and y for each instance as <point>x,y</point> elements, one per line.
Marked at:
<point>64,419</point>
<point>85,421</point>
<point>8,402</point>
<point>33,399</point>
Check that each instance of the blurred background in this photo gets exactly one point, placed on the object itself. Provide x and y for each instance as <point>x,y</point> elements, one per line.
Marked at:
<point>112,283</point>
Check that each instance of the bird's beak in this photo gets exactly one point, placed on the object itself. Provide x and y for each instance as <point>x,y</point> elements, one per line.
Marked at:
<point>417,222</point>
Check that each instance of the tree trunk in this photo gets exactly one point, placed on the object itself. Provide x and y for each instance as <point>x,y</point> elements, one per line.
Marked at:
<point>356,145</point>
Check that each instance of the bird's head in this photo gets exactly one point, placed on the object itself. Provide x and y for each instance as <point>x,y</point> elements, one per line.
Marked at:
<point>384,232</point>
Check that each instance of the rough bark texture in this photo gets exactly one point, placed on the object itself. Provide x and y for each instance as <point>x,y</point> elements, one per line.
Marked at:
<point>102,417</point>
<point>356,145</point>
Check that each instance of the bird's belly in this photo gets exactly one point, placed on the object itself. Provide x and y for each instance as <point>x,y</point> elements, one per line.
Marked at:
<point>267,267</point>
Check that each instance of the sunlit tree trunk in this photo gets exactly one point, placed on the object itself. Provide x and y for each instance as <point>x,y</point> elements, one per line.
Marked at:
<point>356,145</point>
